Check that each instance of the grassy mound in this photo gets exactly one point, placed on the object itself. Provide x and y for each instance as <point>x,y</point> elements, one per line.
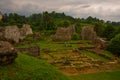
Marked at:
<point>98,76</point>
<point>30,68</point>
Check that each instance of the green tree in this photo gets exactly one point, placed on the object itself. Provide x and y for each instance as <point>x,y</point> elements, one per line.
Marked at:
<point>114,45</point>
<point>75,36</point>
<point>64,23</point>
<point>109,32</point>
<point>117,31</point>
<point>48,21</point>
<point>99,28</point>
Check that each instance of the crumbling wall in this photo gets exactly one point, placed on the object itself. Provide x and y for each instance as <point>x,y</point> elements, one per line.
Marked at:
<point>63,34</point>
<point>14,34</point>
<point>25,30</point>
<point>7,53</point>
<point>32,51</point>
<point>88,33</point>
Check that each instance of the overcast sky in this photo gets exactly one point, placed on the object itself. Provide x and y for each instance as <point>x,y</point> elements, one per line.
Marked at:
<point>103,9</point>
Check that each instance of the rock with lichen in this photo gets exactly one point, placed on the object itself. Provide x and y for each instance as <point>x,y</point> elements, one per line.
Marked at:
<point>63,34</point>
<point>88,33</point>
<point>14,34</point>
<point>7,53</point>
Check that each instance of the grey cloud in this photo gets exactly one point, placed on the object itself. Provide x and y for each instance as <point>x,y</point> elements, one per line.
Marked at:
<point>85,6</point>
<point>103,9</point>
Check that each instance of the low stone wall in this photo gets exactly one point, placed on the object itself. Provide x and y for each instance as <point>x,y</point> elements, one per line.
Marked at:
<point>32,51</point>
<point>64,34</point>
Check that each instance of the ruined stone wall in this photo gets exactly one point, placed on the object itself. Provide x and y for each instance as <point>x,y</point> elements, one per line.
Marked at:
<point>63,34</point>
<point>88,33</point>
<point>12,33</point>
<point>25,30</point>
<point>32,51</point>
<point>15,34</point>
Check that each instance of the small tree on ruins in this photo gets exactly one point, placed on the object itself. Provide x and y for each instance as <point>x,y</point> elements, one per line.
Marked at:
<point>75,36</point>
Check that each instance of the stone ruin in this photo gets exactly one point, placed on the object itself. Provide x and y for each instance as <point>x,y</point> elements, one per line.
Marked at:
<point>88,33</point>
<point>25,30</point>
<point>11,34</point>
<point>14,34</point>
<point>100,43</point>
<point>31,51</point>
<point>63,34</point>
<point>7,53</point>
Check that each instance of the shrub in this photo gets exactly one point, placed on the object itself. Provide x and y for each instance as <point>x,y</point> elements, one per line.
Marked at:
<point>75,36</point>
<point>114,45</point>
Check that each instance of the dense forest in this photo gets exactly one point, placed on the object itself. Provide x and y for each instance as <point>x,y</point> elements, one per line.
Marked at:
<point>48,22</point>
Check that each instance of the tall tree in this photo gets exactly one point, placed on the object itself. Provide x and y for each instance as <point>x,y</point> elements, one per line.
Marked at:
<point>99,28</point>
<point>114,45</point>
<point>109,32</point>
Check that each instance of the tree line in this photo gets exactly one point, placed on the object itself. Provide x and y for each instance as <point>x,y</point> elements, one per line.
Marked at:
<point>50,21</point>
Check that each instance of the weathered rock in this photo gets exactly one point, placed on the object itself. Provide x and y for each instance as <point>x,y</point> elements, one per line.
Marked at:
<point>7,53</point>
<point>63,34</point>
<point>88,33</point>
<point>32,51</point>
<point>100,43</point>
<point>14,34</point>
<point>25,30</point>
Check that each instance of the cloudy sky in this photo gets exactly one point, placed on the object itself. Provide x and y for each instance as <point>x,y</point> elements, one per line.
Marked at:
<point>103,9</point>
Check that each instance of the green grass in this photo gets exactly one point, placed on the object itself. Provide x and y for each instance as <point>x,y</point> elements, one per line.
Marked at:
<point>109,54</point>
<point>51,45</point>
<point>30,68</point>
<point>47,45</point>
<point>115,75</point>
<point>94,56</point>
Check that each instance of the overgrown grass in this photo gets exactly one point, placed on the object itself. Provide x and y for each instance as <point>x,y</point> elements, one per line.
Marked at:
<point>115,75</point>
<point>48,44</point>
<point>94,56</point>
<point>30,68</point>
<point>109,54</point>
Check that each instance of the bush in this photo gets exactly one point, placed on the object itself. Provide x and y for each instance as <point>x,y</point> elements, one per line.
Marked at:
<point>114,45</point>
<point>75,36</point>
<point>49,32</point>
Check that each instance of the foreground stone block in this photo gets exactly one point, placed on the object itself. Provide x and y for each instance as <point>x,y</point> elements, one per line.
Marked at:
<point>7,53</point>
